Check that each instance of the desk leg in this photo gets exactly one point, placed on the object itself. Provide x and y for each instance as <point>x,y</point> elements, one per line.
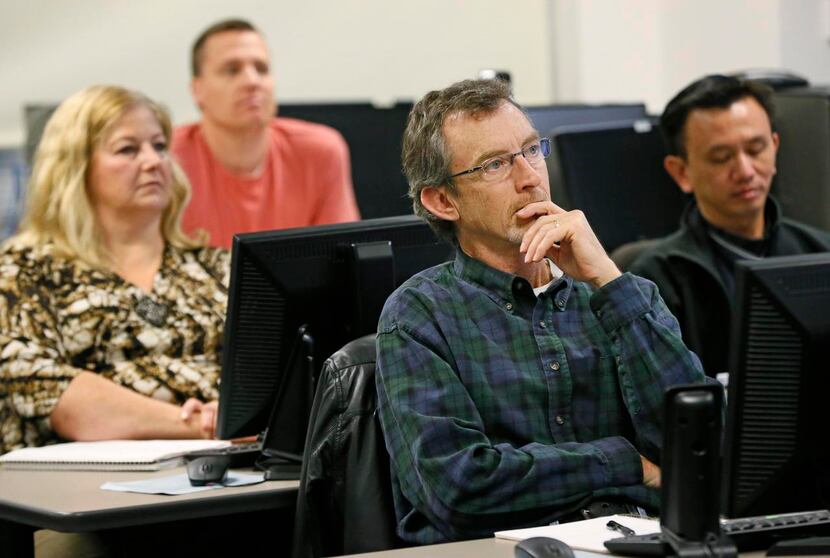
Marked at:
<point>16,540</point>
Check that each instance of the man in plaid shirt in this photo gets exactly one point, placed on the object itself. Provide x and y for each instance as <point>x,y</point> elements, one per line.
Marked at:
<point>523,382</point>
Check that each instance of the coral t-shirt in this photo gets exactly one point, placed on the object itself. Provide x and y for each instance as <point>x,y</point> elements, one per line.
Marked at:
<point>306,180</point>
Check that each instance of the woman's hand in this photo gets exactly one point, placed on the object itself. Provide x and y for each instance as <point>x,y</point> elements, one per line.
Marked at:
<point>201,417</point>
<point>95,408</point>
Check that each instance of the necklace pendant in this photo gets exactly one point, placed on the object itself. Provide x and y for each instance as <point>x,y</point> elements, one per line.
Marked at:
<point>151,311</point>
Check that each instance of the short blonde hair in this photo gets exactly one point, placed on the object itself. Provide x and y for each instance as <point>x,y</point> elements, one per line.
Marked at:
<point>58,208</point>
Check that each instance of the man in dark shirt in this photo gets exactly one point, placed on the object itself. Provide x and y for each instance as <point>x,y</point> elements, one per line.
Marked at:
<point>722,149</point>
<point>523,382</point>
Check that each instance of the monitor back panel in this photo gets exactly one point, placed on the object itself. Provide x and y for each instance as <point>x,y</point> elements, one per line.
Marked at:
<point>289,280</point>
<point>548,118</point>
<point>615,175</point>
<point>374,138</point>
<point>776,456</point>
<point>35,116</point>
<point>802,183</point>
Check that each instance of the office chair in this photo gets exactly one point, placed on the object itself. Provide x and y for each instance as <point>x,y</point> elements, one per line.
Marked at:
<point>776,78</point>
<point>345,503</point>
<point>625,254</point>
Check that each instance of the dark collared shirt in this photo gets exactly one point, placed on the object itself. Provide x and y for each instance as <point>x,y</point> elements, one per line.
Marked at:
<point>501,409</point>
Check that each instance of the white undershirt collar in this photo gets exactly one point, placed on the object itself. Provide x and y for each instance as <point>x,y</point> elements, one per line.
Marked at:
<point>555,272</point>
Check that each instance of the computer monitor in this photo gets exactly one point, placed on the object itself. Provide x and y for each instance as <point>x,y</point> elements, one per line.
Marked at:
<point>776,450</point>
<point>374,135</point>
<point>35,116</point>
<point>547,118</point>
<point>802,183</point>
<point>296,296</point>
<point>614,173</point>
<point>13,176</point>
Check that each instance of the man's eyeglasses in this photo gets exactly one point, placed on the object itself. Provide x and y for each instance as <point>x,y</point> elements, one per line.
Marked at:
<point>496,168</point>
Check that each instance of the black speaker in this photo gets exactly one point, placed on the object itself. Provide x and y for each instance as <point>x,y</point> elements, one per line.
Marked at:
<point>690,468</point>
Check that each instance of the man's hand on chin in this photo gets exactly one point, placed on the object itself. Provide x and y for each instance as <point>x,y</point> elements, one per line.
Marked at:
<point>567,239</point>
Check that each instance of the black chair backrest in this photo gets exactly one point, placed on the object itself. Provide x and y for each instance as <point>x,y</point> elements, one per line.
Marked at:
<point>345,500</point>
<point>626,254</point>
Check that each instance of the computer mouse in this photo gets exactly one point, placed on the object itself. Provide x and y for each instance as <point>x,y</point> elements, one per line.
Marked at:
<point>542,547</point>
<point>208,469</point>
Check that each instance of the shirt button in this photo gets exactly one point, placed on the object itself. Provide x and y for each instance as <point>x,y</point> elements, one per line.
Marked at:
<point>559,420</point>
<point>554,365</point>
<point>560,304</point>
<point>509,306</point>
<point>542,324</point>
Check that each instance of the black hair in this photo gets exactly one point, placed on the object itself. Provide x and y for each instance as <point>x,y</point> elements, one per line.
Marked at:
<point>713,91</point>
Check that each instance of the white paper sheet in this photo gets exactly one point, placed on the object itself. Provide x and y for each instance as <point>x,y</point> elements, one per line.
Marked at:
<point>179,484</point>
<point>585,535</point>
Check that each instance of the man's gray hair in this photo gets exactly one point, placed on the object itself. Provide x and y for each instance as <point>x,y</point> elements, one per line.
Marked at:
<point>425,155</point>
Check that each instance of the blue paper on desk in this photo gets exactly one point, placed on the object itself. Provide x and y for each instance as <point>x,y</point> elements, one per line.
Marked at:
<point>180,484</point>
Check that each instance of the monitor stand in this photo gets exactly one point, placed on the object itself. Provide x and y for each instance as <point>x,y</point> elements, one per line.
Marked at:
<point>283,440</point>
<point>371,277</point>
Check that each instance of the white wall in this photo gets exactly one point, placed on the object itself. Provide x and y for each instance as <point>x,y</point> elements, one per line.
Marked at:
<point>380,50</point>
<point>557,50</point>
<point>606,50</point>
<point>805,27</point>
<point>713,36</point>
<point>646,50</point>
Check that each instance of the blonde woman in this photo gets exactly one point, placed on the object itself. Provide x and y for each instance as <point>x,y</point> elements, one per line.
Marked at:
<point>110,317</point>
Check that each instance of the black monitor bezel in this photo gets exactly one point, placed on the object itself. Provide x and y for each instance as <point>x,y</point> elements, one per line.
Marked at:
<point>410,235</point>
<point>791,473</point>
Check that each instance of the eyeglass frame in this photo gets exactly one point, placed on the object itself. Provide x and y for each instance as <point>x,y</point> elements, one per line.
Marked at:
<point>544,144</point>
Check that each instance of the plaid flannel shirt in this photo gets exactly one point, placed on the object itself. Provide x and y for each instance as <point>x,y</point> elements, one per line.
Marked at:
<point>502,410</point>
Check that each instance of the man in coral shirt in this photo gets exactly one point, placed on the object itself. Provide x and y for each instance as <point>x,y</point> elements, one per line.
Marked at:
<point>249,170</point>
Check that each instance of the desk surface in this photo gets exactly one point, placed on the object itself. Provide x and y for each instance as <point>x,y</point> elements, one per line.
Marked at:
<point>482,548</point>
<point>73,500</point>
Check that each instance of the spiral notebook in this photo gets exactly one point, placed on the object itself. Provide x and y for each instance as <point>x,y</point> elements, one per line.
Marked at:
<point>108,455</point>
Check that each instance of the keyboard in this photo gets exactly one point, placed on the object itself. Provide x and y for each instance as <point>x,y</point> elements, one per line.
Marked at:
<point>241,455</point>
<point>748,533</point>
